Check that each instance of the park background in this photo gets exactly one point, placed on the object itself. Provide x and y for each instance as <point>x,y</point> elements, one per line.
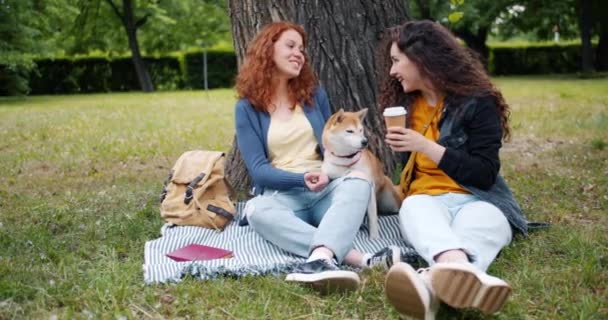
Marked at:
<point>101,96</point>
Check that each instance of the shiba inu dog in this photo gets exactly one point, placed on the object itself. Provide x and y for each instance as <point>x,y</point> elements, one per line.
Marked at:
<point>345,151</point>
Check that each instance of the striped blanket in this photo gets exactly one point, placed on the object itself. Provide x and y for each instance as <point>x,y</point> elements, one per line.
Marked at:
<point>252,254</point>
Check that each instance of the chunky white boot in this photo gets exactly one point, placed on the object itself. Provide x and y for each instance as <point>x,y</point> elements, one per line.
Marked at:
<point>410,293</point>
<point>462,285</point>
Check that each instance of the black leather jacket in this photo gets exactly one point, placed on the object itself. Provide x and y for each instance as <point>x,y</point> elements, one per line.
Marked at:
<point>470,131</point>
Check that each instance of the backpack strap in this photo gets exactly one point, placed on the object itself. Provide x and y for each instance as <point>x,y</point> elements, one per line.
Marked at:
<point>163,193</point>
<point>220,211</point>
<point>190,188</point>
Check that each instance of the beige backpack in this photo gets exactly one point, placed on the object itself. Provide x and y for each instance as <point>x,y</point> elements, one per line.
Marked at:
<point>196,193</point>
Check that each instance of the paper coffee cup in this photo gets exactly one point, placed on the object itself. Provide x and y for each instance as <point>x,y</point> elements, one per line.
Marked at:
<point>395,116</point>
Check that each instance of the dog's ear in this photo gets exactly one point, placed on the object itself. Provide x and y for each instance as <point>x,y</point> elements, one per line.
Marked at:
<point>362,113</point>
<point>340,116</point>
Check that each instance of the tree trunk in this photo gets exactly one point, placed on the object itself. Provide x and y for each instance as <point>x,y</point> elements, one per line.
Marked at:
<point>342,39</point>
<point>477,42</point>
<point>128,21</point>
<point>600,9</point>
<point>601,53</point>
<point>585,23</point>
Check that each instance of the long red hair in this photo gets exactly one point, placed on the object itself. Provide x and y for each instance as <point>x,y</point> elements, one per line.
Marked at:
<point>255,81</point>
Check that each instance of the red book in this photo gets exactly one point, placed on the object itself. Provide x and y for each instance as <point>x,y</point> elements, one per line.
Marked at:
<point>198,252</point>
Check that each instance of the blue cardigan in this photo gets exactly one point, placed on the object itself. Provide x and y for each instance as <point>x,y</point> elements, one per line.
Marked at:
<point>252,139</point>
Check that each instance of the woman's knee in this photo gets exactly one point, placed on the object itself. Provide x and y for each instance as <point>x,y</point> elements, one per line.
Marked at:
<point>355,184</point>
<point>413,204</point>
<point>258,211</point>
<point>485,218</point>
<point>358,174</point>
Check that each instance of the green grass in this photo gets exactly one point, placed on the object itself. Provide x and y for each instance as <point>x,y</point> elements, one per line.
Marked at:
<point>80,176</point>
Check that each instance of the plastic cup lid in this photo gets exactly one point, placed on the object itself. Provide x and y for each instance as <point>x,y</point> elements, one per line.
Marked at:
<point>394,111</point>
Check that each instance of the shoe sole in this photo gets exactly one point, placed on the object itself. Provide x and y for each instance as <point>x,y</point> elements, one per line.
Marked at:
<point>403,292</point>
<point>328,281</point>
<point>464,289</point>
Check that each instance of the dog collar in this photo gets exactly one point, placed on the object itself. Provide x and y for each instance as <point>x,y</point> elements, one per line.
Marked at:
<point>347,156</point>
<point>355,156</point>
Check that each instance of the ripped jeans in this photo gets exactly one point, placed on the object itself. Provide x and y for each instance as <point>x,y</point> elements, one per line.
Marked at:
<point>299,220</point>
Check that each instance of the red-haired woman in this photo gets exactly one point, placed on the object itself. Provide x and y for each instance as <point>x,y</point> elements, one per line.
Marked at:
<point>458,212</point>
<point>279,122</point>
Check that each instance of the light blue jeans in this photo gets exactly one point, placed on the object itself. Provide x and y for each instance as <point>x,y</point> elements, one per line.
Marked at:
<point>434,224</point>
<point>299,220</point>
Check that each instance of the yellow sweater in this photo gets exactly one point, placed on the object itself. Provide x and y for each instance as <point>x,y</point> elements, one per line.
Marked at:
<point>428,178</point>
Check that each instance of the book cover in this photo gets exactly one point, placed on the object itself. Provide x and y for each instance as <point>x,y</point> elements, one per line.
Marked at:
<point>194,251</point>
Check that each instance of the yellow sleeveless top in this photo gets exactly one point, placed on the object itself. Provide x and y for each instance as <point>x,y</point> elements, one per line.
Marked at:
<point>292,143</point>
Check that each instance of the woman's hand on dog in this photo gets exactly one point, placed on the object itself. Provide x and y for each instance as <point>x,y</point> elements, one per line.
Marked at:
<point>316,180</point>
<point>407,140</point>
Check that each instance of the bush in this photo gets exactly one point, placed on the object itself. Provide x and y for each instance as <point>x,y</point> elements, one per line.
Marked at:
<point>165,72</point>
<point>535,59</point>
<point>14,80</point>
<point>65,75</point>
<point>53,76</point>
<point>123,76</point>
<point>221,69</point>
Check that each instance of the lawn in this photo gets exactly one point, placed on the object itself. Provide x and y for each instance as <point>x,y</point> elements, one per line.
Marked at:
<point>80,177</point>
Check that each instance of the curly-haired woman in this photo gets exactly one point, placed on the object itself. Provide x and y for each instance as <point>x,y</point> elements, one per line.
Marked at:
<point>279,122</point>
<point>458,213</point>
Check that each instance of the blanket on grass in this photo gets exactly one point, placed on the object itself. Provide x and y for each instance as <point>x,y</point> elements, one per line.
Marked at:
<point>252,254</point>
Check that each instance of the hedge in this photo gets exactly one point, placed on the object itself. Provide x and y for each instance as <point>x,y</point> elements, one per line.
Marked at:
<point>101,74</point>
<point>184,70</point>
<point>535,59</point>
<point>65,75</point>
<point>221,69</point>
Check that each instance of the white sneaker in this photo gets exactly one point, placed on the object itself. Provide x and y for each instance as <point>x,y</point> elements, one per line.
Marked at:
<point>410,293</point>
<point>462,285</point>
<point>325,276</point>
<point>385,258</point>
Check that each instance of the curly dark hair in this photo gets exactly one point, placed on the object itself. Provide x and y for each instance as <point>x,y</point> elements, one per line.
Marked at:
<point>443,60</point>
<point>255,80</point>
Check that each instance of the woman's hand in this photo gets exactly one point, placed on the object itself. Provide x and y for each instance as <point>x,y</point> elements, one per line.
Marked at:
<point>316,180</point>
<point>407,140</point>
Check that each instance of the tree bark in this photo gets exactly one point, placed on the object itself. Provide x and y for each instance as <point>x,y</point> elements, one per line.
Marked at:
<point>127,18</point>
<point>585,23</point>
<point>342,39</point>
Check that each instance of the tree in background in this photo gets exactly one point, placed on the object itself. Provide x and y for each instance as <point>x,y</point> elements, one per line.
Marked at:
<point>601,18</point>
<point>343,36</point>
<point>169,25</point>
<point>472,22</point>
<point>23,26</point>
<point>593,20</point>
<point>585,25</point>
<point>187,24</point>
<point>539,19</point>
<point>131,20</point>
<point>32,28</point>
<point>571,18</point>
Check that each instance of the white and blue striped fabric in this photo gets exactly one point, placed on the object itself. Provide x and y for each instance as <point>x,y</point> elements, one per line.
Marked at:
<point>252,254</point>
